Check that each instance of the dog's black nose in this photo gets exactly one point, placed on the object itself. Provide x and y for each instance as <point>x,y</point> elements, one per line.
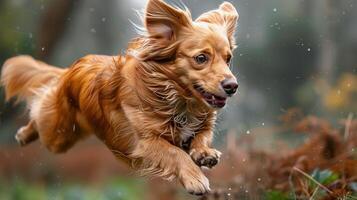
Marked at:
<point>230,86</point>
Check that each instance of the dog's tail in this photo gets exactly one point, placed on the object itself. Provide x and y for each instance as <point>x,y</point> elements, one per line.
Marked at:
<point>22,75</point>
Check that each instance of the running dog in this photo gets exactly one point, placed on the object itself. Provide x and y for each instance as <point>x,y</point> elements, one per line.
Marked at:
<point>154,107</point>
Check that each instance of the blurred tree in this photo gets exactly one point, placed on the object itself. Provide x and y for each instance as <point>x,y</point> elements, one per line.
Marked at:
<point>53,24</point>
<point>328,46</point>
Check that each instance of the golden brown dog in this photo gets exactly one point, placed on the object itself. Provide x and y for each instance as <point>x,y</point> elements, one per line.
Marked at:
<point>154,107</point>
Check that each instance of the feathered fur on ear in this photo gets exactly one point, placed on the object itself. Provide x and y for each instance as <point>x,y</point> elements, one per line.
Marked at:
<point>227,16</point>
<point>163,21</point>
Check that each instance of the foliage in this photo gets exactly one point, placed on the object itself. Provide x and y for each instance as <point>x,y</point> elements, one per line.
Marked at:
<point>117,190</point>
<point>276,195</point>
<point>323,167</point>
<point>325,177</point>
<point>342,96</point>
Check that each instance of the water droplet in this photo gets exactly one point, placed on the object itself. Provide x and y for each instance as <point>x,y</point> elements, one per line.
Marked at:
<point>308,49</point>
<point>93,30</point>
<point>43,49</point>
<point>248,132</point>
<point>263,124</point>
<point>104,19</point>
<point>229,189</point>
<point>275,9</point>
<point>229,194</point>
<point>259,179</point>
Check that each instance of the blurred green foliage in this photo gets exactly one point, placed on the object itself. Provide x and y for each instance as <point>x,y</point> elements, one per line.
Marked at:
<point>325,177</point>
<point>277,195</point>
<point>120,189</point>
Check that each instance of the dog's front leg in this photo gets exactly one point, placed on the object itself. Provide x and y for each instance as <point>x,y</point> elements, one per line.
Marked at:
<point>201,151</point>
<point>156,156</point>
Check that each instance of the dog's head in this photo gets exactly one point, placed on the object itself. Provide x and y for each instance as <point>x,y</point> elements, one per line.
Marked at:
<point>198,51</point>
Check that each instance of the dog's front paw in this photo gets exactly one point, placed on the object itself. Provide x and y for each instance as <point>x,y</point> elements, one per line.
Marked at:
<point>205,156</point>
<point>194,181</point>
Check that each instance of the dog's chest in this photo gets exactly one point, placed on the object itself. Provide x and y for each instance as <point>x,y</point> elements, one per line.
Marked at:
<point>187,125</point>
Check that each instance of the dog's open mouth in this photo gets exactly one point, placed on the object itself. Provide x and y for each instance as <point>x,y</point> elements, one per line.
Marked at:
<point>212,99</point>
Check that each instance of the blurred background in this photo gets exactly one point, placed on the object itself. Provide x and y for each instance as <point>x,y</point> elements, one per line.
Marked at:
<point>298,54</point>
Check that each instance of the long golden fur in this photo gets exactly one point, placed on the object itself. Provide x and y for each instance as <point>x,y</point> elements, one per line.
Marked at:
<point>154,107</point>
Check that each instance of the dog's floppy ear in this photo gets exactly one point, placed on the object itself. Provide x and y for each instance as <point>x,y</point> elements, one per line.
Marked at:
<point>163,21</point>
<point>227,16</point>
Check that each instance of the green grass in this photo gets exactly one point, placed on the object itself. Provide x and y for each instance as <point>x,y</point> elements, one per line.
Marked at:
<point>119,189</point>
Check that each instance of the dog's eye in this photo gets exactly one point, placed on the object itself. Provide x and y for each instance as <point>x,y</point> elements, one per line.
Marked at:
<point>229,58</point>
<point>201,59</point>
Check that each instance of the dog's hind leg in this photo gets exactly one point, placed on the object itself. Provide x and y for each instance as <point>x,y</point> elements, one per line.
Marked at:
<point>56,120</point>
<point>27,134</point>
